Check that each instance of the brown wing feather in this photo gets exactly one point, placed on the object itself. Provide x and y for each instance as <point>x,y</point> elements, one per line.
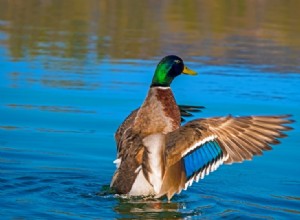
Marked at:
<point>174,180</point>
<point>181,139</point>
<point>239,137</point>
<point>131,159</point>
<point>243,137</point>
<point>125,126</point>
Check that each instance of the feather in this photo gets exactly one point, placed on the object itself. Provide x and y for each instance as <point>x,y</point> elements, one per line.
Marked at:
<point>204,144</point>
<point>202,157</point>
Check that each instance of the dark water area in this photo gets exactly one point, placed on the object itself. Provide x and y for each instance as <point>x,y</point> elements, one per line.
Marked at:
<point>71,72</point>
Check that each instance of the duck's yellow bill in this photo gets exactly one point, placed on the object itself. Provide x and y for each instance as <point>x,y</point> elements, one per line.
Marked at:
<point>188,71</point>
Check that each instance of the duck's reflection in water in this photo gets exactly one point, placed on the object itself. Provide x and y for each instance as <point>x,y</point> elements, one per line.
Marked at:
<point>146,207</point>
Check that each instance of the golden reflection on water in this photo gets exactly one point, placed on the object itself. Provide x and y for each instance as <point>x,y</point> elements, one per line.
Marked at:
<point>146,29</point>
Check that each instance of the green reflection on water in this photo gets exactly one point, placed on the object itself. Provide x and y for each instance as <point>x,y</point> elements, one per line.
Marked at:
<point>147,29</point>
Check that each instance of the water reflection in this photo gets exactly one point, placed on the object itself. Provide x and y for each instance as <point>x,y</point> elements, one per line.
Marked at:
<point>227,31</point>
<point>66,109</point>
<point>147,208</point>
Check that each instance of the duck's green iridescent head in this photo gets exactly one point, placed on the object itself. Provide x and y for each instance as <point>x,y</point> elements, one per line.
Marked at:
<point>167,69</point>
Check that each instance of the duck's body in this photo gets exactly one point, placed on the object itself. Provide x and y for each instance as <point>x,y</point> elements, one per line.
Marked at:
<point>157,156</point>
<point>143,134</point>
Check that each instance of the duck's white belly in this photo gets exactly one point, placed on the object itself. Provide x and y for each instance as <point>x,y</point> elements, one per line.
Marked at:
<point>141,186</point>
<point>154,144</point>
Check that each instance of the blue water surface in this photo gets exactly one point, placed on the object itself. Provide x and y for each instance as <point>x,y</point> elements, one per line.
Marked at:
<point>57,142</point>
<point>58,115</point>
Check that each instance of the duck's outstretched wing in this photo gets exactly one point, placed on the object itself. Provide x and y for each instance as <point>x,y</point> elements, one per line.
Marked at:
<point>200,146</point>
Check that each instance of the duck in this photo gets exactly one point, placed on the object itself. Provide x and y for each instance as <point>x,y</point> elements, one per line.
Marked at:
<point>159,156</point>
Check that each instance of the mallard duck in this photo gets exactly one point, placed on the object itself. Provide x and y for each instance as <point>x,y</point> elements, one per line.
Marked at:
<point>157,156</point>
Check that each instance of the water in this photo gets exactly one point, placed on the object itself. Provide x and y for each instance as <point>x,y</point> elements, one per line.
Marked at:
<point>70,73</point>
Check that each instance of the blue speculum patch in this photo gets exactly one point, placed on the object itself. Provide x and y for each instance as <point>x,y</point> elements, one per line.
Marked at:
<point>201,157</point>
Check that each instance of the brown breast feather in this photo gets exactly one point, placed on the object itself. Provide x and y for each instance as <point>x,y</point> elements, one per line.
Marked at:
<point>158,114</point>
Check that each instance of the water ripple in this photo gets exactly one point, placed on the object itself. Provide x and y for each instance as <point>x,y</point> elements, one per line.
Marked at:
<point>64,109</point>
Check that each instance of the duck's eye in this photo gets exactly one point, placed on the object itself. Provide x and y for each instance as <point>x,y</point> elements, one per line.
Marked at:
<point>176,61</point>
